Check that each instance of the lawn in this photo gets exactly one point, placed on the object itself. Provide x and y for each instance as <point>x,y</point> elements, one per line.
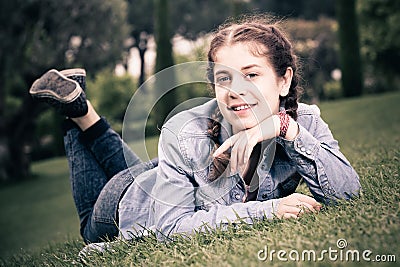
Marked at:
<point>38,215</point>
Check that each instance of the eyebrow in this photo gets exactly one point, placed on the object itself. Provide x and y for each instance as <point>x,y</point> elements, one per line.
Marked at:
<point>242,69</point>
<point>221,72</point>
<point>250,66</point>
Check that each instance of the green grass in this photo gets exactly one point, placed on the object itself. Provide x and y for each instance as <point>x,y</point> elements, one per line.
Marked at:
<point>41,211</point>
<point>368,130</point>
<point>38,211</point>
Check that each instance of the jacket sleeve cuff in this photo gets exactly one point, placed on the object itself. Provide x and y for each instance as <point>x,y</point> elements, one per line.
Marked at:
<point>267,209</point>
<point>304,145</point>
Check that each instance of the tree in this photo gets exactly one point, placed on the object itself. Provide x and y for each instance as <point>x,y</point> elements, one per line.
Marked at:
<point>36,35</point>
<point>305,9</point>
<point>110,95</point>
<point>314,43</point>
<point>163,35</point>
<point>380,42</point>
<point>194,19</point>
<point>142,28</point>
<point>350,60</point>
<point>164,59</point>
<point>189,19</point>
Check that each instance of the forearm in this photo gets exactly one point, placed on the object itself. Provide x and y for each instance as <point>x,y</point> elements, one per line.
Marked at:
<point>292,131</point>
<point>325,169</point>
<point>175,219</point>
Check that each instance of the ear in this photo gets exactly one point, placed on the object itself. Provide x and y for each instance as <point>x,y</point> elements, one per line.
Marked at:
<point>286,80</point>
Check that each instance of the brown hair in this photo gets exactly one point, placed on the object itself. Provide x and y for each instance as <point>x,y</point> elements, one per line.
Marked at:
<point>263,39</point>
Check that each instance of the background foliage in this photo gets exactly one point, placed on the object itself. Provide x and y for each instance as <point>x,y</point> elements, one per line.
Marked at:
<point>380,43</point>
<point>35,36</point>
<point>97,35</point>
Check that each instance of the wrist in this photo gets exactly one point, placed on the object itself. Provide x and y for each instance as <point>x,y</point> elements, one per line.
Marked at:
<point>286,127</point>
<point>284,121</point>
<point>277,124</point>
<point>293,130</point>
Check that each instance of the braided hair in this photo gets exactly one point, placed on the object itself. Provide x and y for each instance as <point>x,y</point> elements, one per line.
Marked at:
<point>219,163</point>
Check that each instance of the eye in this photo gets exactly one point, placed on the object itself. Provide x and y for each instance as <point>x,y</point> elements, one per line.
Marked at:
<point>250,76</point>
<point>223,79</point>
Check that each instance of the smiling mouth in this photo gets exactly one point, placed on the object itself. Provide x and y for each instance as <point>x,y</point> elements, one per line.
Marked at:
<point>241,107</point>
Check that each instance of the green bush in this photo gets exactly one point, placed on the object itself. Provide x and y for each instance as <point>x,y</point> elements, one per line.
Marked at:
<point>332,90</point>
<point>110,95</point>
<point>314,43</point>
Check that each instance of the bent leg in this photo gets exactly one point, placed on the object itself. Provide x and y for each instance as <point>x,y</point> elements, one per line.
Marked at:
<point>95,153</point>
<point>87,178</point>
<point>107,147</point>
<point>93,161</point>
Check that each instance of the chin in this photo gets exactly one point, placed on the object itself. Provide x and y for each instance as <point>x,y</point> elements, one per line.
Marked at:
<point>240,126</point>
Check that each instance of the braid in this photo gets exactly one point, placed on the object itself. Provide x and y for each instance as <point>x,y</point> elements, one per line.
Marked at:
<point>290,101</point>
<point>282,56</point>
<point>219,163</point>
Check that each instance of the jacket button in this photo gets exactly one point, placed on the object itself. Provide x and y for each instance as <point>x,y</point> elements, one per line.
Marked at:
<point>308,152</point>
<point>299,144</point>
<point>237,196</point>
<point>264,196</point>
<point>303,149</point>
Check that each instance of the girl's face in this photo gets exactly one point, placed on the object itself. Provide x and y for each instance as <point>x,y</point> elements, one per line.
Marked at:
<point>246,87</point>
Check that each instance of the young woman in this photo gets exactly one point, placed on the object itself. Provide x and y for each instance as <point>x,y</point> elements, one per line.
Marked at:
<point>237,158</point>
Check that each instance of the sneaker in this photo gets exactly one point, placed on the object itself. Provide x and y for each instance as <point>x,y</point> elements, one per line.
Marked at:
<point>78,75</point>
<point>60,92</point>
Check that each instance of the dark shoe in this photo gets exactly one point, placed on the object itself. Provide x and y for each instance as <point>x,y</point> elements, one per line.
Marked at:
<point>60,92</point>
<point>78,75</point>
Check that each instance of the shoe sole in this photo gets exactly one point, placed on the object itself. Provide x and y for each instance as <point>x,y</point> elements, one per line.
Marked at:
<point>73,72</point>
<point>77,74</point>
<point>55,85</point>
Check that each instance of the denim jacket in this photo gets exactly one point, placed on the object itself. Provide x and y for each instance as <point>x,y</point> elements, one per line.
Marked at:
<point>177,196</point>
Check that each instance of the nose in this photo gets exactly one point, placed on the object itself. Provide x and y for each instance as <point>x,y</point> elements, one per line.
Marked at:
<point>239,87</point>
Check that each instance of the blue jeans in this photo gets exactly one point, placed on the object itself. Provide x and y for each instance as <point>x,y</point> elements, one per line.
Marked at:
<point>100,174</point>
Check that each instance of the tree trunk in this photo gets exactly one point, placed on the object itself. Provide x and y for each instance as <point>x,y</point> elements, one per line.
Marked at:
<point>5,161</point>
<point>142,51</point>
<point>14,141</point>
<point>164,60</point>
<point>350,60</point>
<point>14,157</point>
<point>16,133</point>
<point>4,153</point>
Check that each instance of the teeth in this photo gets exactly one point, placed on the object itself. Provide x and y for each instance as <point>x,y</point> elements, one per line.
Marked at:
<point>240,107</point>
